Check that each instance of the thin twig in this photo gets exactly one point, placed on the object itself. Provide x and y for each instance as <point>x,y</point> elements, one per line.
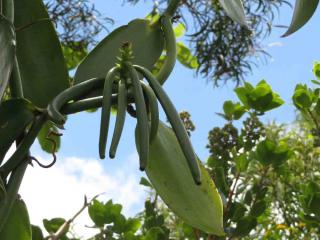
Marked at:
<point>63,228</point>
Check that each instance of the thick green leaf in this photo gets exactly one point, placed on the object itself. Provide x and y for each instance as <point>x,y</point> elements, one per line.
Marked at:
<point>167,169</point>
<point>18,225</point>
<point>36,233</point>
<point>238,210</point>
<point>46,144</point>
<point>15,115</point>
<point>235,10</point>
<point>302,98</point>
<point>43,70</point>
<point>54,224</point>
<point>303,11</point>
<point>185,56</point>
<point>260,98</point>
<point>233,110</point>
<point>147,44</point>
<point>7,52</point>
<point>97,213</point>
<point>316,70</point>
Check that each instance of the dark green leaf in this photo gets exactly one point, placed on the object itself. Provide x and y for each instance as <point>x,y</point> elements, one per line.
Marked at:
<point>48,130</point>
<point>15,115</point>
<point>258,208</point>
<point>241,163</point>
<point>147,44</point>
<point>302,98</point>
<point>43,71</point>
<point>303,11</point>
<point>154,233</point>
<point>245,225</point>
<point>36,233</point>
<point>145,182</point>
<point>54,224</point>
<point>18,223</point>
<point>238,210</point>
<point>7,46</point>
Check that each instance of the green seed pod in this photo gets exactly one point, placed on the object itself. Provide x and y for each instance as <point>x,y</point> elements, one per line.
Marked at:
<point>153,108</point>
<point>171,51</point>
<point>106,110</point>
<point>198,205</point>
<point>142,117</point>
<point>121,116</point>
<point>175,122</point>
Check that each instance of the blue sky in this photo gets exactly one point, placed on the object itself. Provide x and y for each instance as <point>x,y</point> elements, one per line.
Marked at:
<point>291,63</point>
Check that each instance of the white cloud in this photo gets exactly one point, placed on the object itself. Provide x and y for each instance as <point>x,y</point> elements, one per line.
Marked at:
<point>59,191</point>
<point>275,44</point>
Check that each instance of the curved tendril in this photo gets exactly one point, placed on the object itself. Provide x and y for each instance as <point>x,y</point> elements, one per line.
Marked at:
<point>175,121</point>
<point>153,108</point>
<point>142,117</point>
<point>171,51</point>
<point>67,95</point>
<point>106,110</point>
<point>121,116</point>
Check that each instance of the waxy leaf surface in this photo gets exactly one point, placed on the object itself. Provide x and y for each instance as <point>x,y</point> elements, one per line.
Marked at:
<point>7,51</point>
<point>18,225</point>
<point>43,70</point>
<point>198,205</point>
<point>147,45</point>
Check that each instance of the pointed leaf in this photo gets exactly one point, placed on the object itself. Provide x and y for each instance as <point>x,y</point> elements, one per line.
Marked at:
<point>43,70</point>
<point>36,233</point>
<point>235,10</point>
<point>147,45</point>
<point>7,46</point>
<point>303,11</point>
<point>198,205</point>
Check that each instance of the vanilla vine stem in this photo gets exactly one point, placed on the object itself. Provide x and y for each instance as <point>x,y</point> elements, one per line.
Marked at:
<point>172,8</point>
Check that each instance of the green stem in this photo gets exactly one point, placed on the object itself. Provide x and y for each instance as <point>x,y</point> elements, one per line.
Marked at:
<point>22,150</point>
<point>172,8</point>
<point>12,190</point>
<point>171,51</point>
